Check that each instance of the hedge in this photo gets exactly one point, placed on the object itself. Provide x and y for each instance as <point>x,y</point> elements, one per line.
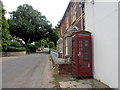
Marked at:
<point>30,48</point>
<point>15,44</point>
<point>15,49</point>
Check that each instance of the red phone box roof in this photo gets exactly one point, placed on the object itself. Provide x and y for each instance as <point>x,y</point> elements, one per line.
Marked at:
<point>82,33</point>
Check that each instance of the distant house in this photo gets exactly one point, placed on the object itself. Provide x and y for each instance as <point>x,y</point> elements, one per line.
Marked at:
<point>101,19</point>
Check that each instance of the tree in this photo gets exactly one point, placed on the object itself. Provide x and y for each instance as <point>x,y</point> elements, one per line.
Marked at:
<point>42,43</point>
<point>53,37</point>
<point>38,44</point>
<point>29,24</point>
<point>4,27</point>
<point>57,29</point>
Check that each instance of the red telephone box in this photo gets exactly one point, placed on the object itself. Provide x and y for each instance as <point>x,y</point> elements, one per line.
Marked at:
<point>81,54</point>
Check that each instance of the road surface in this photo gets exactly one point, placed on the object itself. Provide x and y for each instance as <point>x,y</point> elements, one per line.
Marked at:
<point>29,71</point>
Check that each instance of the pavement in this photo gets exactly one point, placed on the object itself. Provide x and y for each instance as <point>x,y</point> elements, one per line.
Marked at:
<point>84,83</point>
<point>28,71</point>
<point>68,81</point>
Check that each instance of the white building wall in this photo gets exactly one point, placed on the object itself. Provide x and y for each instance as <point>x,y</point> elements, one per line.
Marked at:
<point>102,20</point>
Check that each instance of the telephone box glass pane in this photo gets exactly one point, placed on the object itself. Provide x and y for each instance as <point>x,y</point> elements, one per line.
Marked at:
<point>84,50</point>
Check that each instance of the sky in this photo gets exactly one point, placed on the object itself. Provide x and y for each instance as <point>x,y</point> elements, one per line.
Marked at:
<point>52,9</point>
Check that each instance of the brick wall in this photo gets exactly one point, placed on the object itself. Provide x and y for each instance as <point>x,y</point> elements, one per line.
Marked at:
<point>65,68</point>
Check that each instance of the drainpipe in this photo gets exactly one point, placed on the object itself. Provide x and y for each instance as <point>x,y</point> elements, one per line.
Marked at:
<point>81,19</point>
<point>82,12</point>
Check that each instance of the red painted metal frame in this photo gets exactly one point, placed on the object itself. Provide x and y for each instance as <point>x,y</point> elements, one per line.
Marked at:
<point>77,61</point>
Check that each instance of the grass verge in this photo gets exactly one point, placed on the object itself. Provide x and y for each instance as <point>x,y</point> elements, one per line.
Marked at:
<point>56,79</point>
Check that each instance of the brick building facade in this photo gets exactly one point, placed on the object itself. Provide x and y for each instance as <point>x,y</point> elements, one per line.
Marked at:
<point>72,21</point>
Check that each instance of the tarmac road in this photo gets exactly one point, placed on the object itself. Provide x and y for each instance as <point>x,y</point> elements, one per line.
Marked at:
<point>27,71</point>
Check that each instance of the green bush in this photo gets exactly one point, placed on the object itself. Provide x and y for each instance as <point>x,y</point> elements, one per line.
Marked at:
<point>51,45</point>
<point>30,47</point>
<point>15,49</point>
<point>54,48</point>
<point>15,44</point>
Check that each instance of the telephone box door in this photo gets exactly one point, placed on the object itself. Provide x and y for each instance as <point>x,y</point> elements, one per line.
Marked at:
<point>84,56</point>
